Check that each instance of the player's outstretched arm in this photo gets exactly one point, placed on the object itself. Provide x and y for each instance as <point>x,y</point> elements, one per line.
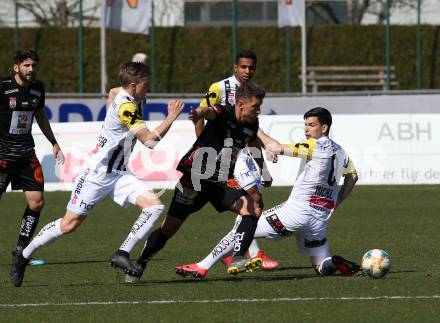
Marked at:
<point>199,125</point>
<point>273,147</point>
<point>151,138</point>
<point>207,113</point>
<point>212,97</point>
<point>43,123</point>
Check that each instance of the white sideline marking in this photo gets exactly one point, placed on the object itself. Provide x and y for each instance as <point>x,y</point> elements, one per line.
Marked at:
<point>237,300</point>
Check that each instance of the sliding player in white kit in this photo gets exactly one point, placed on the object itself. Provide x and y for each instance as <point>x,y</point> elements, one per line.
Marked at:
<point>314,196</point>
<point>105,172</point>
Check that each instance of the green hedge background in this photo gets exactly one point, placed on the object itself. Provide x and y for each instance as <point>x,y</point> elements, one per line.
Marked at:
<point>189,59</point>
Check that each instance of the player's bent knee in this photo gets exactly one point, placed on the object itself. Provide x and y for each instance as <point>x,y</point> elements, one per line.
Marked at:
<point>257,210</point>
<point>69,227</point>
<point>171,225</point>
<point>36,205</point>
<point>147,199</point>
<point>69,224</point>
<point>237,206</point>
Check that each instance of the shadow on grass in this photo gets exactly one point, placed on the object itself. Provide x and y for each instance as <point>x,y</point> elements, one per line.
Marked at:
<point>290,268</point>
<point>73,262</point>
<point>82,262</point>
<point>119,279</point>
<point>255,277</point>
<point>236,279</point>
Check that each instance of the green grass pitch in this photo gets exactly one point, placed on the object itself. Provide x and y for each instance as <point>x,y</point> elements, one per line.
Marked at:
<point>78,285</point>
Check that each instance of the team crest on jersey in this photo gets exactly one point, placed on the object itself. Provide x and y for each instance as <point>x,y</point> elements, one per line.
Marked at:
<point>12,102</point>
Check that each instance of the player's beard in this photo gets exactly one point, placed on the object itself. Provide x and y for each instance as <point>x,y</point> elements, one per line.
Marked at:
<point>26,77</point>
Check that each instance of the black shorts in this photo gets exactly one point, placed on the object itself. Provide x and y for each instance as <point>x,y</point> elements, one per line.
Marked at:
<point>186,201</point>
<point>26,175</point>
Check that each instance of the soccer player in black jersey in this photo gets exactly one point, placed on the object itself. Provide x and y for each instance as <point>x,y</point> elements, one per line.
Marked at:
<point>223,92</point>
<point>206,168</point>
<point>21,100</point>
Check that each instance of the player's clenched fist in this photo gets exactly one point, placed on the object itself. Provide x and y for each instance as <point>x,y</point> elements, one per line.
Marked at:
<point>194,115</point>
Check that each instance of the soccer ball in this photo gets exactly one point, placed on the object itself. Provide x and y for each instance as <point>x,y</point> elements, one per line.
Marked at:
<point>376,263</point>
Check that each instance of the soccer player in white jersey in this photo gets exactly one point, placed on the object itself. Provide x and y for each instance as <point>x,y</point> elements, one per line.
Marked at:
<point>247,170</point>
<point>105,174</point>
<point>314,197</point>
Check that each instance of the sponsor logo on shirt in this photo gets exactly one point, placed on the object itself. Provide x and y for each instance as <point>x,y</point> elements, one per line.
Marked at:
<point>12,102</point>
<point>322,199</point>
<point>321,203</point>
<point>11,91</point>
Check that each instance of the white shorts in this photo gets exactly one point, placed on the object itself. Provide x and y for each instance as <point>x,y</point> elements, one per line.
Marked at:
<point>283,220</point>
<point>246,172</point>
<point>90,187</point>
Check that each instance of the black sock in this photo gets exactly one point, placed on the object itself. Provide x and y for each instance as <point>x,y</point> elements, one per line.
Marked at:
<point>156,241</point>
<point>28,225</point>
<point>245,234</point>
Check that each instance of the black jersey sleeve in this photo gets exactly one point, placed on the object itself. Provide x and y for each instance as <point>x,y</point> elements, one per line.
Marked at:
<point>40,91</point>
<point>43,97</point>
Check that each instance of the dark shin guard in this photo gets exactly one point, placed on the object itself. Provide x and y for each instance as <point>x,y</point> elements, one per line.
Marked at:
<point>156,241</point>
<point>245,234</point>
<point>28,225</point>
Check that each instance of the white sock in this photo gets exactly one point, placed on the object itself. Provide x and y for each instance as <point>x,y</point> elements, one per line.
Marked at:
<point>253,249</point>
<point>142,227</point>
<point>327,267</point>
<point>49,233</point>
<point>223,249</point>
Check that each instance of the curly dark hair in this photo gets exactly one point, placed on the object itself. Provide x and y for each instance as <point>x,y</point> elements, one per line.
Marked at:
<point>23,54</point>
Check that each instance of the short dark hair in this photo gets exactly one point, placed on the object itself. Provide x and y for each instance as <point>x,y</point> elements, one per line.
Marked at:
<point>249,90</point>
<point>245,54</point>
<point>324,116</point>
<point>23,54</point>
<point>133,72</point>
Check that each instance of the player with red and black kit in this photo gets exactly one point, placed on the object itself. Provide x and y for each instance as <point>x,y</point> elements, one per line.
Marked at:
<point>206,169</point>
<point>21,100</point>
